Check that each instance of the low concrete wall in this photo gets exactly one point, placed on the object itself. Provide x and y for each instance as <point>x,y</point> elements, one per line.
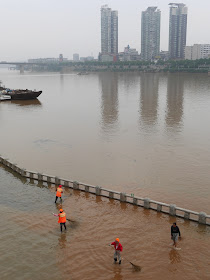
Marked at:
<point>147,203</point>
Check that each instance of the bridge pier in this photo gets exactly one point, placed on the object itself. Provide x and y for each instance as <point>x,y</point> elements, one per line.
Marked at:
<point>22,69</point>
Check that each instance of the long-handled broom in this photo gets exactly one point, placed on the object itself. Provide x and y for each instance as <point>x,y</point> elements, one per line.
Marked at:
<point>136,267</point>
<point>70,220</point>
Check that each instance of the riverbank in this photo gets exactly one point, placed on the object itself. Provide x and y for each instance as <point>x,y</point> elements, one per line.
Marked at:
<point>186,66</point>
<point>113,68</point>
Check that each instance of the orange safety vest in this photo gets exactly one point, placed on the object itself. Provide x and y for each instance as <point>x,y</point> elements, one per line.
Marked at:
<point>59,191</point>
<point>62,218</point>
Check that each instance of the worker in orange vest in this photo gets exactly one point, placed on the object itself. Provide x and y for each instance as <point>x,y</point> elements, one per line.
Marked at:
<point>61,219</point>
<point>59,191</point>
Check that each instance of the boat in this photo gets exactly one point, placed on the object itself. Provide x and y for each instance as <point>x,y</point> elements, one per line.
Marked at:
<point>18,94</point>
<point>4,97</point>
<point>21,94</point>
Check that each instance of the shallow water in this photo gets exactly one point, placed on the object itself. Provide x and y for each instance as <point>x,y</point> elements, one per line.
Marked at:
<point>32,247</point>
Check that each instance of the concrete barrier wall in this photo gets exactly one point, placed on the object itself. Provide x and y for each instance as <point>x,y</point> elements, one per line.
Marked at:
<point>147,203</point>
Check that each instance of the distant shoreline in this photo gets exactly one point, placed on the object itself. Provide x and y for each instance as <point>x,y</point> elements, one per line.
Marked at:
<point>160,66</point>
<point>181,66</point>
<point>125,71</point>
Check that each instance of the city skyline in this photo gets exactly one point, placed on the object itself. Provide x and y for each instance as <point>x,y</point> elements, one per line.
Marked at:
<point>74,27</point>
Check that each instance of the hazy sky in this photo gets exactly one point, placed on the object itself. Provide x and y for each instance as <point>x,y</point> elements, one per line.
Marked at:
<point>45,28</point>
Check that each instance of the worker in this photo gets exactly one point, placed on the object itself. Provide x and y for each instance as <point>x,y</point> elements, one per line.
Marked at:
<point>59,192</point>
<point>118,248</point>
<point>61,219</point>
<point>175,233</point>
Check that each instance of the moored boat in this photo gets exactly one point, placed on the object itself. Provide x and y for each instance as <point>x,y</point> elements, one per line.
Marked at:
<point>18,94</point>
<point>22,94</point>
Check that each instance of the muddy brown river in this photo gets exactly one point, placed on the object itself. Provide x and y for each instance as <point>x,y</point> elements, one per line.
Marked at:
<point>146,134</point>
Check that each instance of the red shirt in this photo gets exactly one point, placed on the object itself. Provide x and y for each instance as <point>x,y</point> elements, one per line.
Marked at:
<point>117,247</point>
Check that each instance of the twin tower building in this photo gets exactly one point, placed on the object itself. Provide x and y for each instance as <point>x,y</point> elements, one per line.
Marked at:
<point>150,32</point>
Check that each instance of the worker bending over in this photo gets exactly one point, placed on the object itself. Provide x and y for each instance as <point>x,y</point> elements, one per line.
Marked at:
<point>118,248</point>
<point>59,192</point>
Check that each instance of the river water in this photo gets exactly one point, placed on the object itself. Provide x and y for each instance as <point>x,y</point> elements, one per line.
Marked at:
<point>146,134</point>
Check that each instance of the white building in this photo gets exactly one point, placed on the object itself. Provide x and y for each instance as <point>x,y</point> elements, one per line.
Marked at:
<point>44,60</point>
<point>197,51</point>
<point>87,58</point>
<point>129,54</point>
<point>106,57</point>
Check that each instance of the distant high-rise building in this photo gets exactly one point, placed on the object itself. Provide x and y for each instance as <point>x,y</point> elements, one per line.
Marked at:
<point>75,57</point>
<point>109,31</point>
<point>177,30</point>
<point>150,33</point>
<point>114,32</point>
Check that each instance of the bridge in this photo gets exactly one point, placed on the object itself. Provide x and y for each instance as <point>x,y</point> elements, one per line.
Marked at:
<point>23,64</point>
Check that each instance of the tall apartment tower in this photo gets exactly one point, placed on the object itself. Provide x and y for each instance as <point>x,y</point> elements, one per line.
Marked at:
<point>109,31</point>
<point>177,30</point>
<point>150,33</point>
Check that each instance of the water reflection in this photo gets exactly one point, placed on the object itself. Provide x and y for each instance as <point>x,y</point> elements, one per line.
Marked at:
<point>61,82</point>
<point>109,100</point>
<point>149,98</point>
<point>117,274</point>
<point>174,256</point>
<point>175,97</point>
<point>129,81</point>
<point>62,241</point>
<point>15,174</point>
<point>32,102</point>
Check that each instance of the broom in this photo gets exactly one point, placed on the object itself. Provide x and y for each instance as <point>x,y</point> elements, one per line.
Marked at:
<point>70,220</point>
<point>136,267</point>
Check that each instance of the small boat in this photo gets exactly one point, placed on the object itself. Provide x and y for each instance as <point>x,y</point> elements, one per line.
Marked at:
<point>20,94</point>
<point>4,97</point>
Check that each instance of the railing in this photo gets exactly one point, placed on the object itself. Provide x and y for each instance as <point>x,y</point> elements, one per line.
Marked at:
<point>171,209</point>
